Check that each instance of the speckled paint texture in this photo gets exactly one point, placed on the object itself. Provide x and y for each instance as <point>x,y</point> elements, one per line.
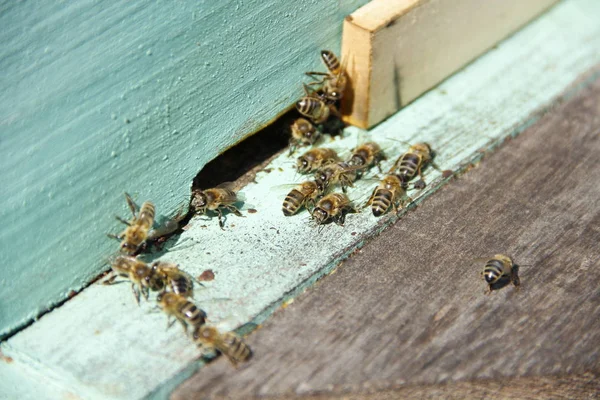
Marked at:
<point>99,98</point>
<point>88,345</point>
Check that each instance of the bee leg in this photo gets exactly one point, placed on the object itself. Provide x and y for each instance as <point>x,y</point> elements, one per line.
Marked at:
<point>121,220</point>
<point>340,218</point>
<point>420,184</point>
<point>170,322</point>
<point>185,327</point>
<point>131,204</point>
<point>220,214</point>
<point>145,292</point>
<point>111,279</point>
<point>370,201</point>
<point>234,210</point>
<point>113,236</point>
<point>136,293</point>
<point>514,277</point>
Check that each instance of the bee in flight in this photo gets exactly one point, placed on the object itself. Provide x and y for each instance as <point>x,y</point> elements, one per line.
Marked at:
<point>137,230</point>
<point>332,207</point>
<point>304,133</point>
<point>389,193</point>
<point>315,158</point>
<point>172,277</point>
<point>215,199</point>
<point>141,275</point>
<point>366,155</point>
<point>333,83</point>
<point>303,195</point>
<point>184,311</point>
<point>332,174</point>
<point>499,269</point>
<point>228,344</point>
<point>412,163</point>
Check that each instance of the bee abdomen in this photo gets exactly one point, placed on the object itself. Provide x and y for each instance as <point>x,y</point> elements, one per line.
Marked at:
<point>181,285</point>
<point>292,203</point>
<point>147,214</point>
<point>493,271</point>
<point>193,314</point>
<point>238,350</point>
<point>381,202</point>
<point>409,165</point>
<point>331,61</point>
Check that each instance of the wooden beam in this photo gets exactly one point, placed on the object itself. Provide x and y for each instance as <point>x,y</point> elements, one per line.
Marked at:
<point>395,50</point>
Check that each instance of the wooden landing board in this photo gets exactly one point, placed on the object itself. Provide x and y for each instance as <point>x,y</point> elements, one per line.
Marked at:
<point>88,345</point>
<point>395,50</point>
<point>409,308</point>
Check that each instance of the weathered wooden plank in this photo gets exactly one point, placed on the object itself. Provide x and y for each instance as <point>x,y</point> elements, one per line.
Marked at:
<point>396,50</point>
<point>410,309</point>
<point>99,98</point>
<point>91,342</point>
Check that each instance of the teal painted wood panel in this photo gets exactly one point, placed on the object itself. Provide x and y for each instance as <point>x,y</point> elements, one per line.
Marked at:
<point>88,345</point>
<point>100,98</point>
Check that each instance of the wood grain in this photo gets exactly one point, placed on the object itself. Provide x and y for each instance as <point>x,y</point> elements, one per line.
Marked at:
<point>395,50</point>
<point>410,308</point>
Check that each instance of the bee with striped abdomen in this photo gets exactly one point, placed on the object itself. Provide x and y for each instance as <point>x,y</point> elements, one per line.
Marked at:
<point>388,194</point>
<point>303,195</point>
<point>500,269</point>
<point>140,274</point>
<point>138,228</point>
<point>229,344</point>
<point>314,108</point>
<point>366,155</point>
<point>303,133</point>
<point>334,81</point>
<point>182,309</point>
<point>172,277</point>
<point>215,199</point>
<point>332,207</point>
<point>412,163</point>
<point>315,158</point>
<point>339,172</point>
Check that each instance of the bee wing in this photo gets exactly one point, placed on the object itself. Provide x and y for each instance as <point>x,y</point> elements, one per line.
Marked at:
<point>226,185</point>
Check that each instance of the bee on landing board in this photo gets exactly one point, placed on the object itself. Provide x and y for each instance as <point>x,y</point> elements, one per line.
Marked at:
<point>498,269</point>
<point>173,278</point>
<point>303,195</point>
<point>315,158</point>
<point>215,199</point>
<point>228,344</point>
<point>389,193</point>
<point>303,133</point>
<point>332,207</point>
<point>332,174</point>
<point>412,163</point>
<point>137,229</point>
<point>140,274</point>
<point>183,310</point>
<point>366,155</point>
<point>333,83</point>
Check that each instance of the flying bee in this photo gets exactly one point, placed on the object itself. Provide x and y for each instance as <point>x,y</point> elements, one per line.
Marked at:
<point>304,133</point>
<point>305,194</point>
<point>334,81</point>
<point>229,344</point>
<point>412,163</point>
<point>498,269</point>
<point>315,158</point>
<point>388,194</point>
<point>339,172</point>
<point>138,228</point>
<point>141,275</point>
<point>366,155</point>
<point>214,200</point>
<point>171,276</point>
<point>332,207</point>
<point>182,309</point>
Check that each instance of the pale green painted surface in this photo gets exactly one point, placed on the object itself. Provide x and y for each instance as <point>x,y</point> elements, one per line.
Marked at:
<point>99,98</point>
<point>88,345</point>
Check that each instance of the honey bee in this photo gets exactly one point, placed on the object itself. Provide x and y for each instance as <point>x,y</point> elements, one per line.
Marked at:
<point>141,275</point>
<point>388,193</point>
<point>303,133</point>
<point>214,200</point>
<point>171,276</point>
<point>412,163</point>
<point>334,81</point>
<point>499,268</point>
<point>315,158</point>
<point>137,229</point>
<point>182,309</point>
<point>331,174</point>
<point>305,194</point>
<point>228,344</point>
<point>314,108</point>
<point>332,207</point>
<point>366,155</point>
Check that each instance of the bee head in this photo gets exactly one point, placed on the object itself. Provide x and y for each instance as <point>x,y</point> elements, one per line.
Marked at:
<point>319,215</point>
<point>199,201</point>
<point>302,164</point>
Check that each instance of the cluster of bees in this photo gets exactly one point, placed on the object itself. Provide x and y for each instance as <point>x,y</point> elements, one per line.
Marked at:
<point>175,287</point>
